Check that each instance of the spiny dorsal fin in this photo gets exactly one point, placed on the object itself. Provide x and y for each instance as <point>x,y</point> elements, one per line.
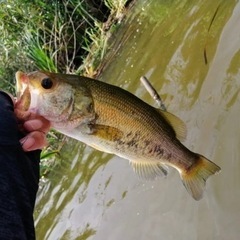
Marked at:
<point>177,124</point>
<point>149,170</point>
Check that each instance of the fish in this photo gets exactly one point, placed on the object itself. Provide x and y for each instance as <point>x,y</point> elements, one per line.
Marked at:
<point>113,120</point>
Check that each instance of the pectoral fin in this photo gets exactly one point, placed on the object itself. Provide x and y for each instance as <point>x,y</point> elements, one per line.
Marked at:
<point>106,132</point>
<point>149,170</point>
<point>177,124</point>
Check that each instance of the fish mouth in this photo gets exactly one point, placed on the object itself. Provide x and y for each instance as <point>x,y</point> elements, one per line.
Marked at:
<point>22,91</point>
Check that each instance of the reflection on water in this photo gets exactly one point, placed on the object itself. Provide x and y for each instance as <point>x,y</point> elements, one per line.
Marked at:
<point>93,195</point>
<point>67,188</point>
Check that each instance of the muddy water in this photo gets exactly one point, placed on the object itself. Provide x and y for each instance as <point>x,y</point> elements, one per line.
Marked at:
<point>190,51</point>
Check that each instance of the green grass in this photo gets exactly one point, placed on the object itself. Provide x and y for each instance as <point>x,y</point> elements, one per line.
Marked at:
<point>59,36</point>
<point>117,7</point>
<point>68,36</point>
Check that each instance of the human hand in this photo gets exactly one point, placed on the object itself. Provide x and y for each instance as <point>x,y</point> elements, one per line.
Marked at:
<point>35,127</point>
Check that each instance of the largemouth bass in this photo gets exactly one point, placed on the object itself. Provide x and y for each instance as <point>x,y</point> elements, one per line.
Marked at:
<point>115,121</point>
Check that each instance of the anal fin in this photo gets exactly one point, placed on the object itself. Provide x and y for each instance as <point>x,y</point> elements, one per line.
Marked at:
<point>149,170</point>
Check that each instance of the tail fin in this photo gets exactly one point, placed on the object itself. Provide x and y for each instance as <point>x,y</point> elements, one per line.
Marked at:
<point>195,178</point>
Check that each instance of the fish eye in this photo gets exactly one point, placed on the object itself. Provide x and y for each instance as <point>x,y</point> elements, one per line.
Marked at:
<point>47,83</point>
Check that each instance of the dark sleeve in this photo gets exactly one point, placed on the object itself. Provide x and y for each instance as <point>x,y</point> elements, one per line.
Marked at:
<point>19,176</point>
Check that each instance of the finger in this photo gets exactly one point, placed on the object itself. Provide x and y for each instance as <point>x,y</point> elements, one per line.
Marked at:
<point>25,115</point>
<point>33,125</point>
<point>44,126</point>
<point>34,140</point>
<point>22,115</point>
<point>32,121</point>
<point>39,124</point>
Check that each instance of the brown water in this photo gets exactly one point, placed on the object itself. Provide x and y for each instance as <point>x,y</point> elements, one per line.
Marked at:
<point>93,195</point>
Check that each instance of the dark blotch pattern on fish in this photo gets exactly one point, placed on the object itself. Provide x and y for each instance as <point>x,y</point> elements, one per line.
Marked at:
<point>158,150</point>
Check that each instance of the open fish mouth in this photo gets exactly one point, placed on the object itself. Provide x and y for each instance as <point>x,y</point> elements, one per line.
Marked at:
<point>22,91</point>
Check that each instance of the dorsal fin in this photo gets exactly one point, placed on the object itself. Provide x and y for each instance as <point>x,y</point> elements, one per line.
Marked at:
<point>177,124</point>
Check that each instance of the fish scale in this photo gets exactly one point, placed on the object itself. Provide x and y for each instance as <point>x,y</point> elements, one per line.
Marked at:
<point>131,117</point>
